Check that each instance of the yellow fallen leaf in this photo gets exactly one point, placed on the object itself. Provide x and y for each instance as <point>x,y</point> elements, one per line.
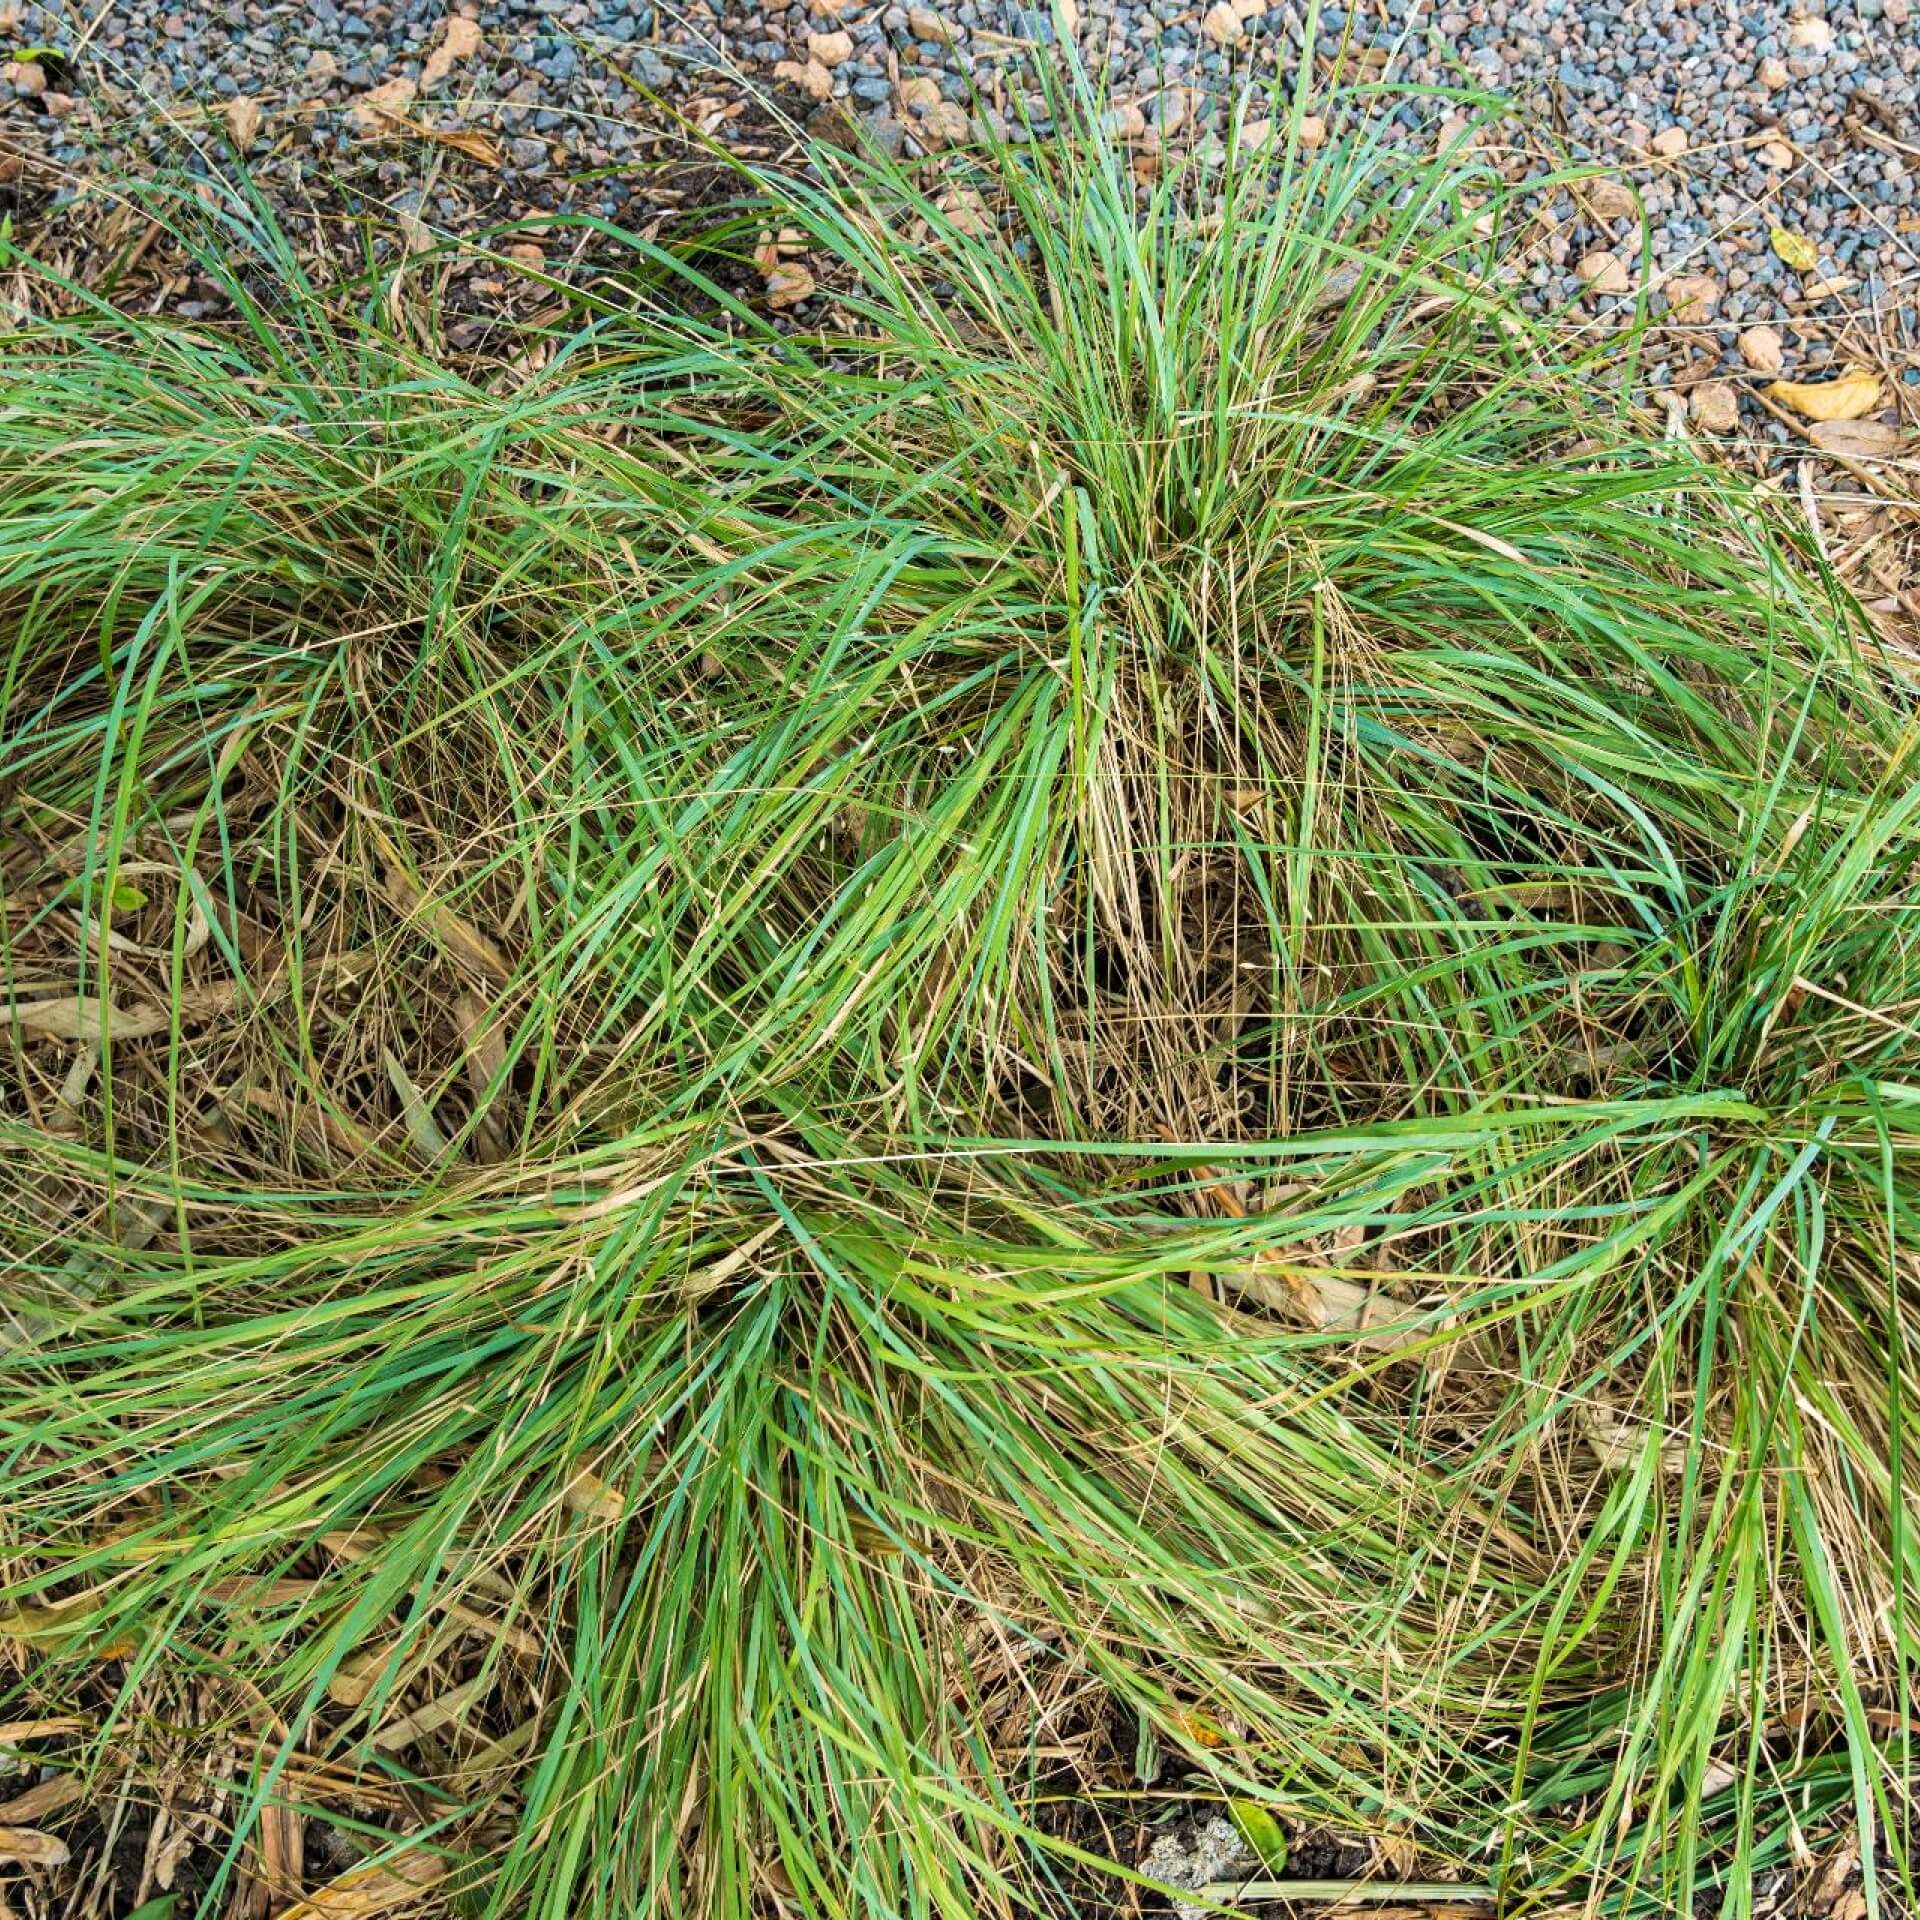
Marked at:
<point>1855,393</point>
<point>1201,1728</point>
<point>586,1493</point>
<point>1796,250</point>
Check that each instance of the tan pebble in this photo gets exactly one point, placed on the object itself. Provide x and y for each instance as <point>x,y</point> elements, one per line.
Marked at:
<point>1611,200</point>
<point>1125,121</point>
<point>1604,273</point>
<point>1249,9</point>
<point>1313,131</point>
<point>1692,296</point>
<point>1811,36</point>
<point>1255,133</point>
<point>1715,407</point>
<point>58,105</point>
<point>966,211</point>
<point>1222,25</point>
<point>1898,12</point>
<point>1456,130</point>
<point>1762,349</point>
<point>830,49</point>
<point>924,24</point>
<point>945,125</point>
<point>808,75</point>
<point>788,284</point>
<point>1776,154</point>
<point>29,76</point>
<point>1773,74</point>
<point>918,92</point>
<point>1670,142</point>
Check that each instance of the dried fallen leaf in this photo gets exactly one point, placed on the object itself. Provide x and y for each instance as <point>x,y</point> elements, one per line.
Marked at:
<point>28,1847</point>
<point>77,1016</point>
<point>476,146</point>
<point>329,1137</point>
<point>1201,1728</point>
<point>243,121</point>
<point>363,1891</point>
<point>483,1044</point>
<point>1856,439</point>
<point>446,1710</point>
<point>462,41</point>
<point>1619,1440</point>
<point>1855,393</point>
<point>586,1493</point>
<point>416,1110</point>
<point>1795,249</point>
<point>1333,1303</point>
<point>380,109</point>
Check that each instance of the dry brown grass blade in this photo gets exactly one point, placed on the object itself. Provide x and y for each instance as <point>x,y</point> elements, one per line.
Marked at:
<point>445,1710</point>
<point>485,1053</point>
<point>364,1545</point>
<point>364,1891</point>
<point>41,1800</point>
<point>457,937</point>
<point>12,1732</point>
<point>28,1847</point>
<point>282,1852</point>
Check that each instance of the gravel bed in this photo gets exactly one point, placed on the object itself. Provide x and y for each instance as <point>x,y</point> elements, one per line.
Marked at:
<point>1731,124</point>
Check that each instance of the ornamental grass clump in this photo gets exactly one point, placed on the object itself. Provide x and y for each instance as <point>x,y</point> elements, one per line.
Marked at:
<point>804,1111</point>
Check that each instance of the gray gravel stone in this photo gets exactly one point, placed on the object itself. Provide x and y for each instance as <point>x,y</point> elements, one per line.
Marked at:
<point>1617,73</point>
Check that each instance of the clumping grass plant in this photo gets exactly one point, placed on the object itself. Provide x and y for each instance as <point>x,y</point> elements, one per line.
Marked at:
<point>800,1114</point>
